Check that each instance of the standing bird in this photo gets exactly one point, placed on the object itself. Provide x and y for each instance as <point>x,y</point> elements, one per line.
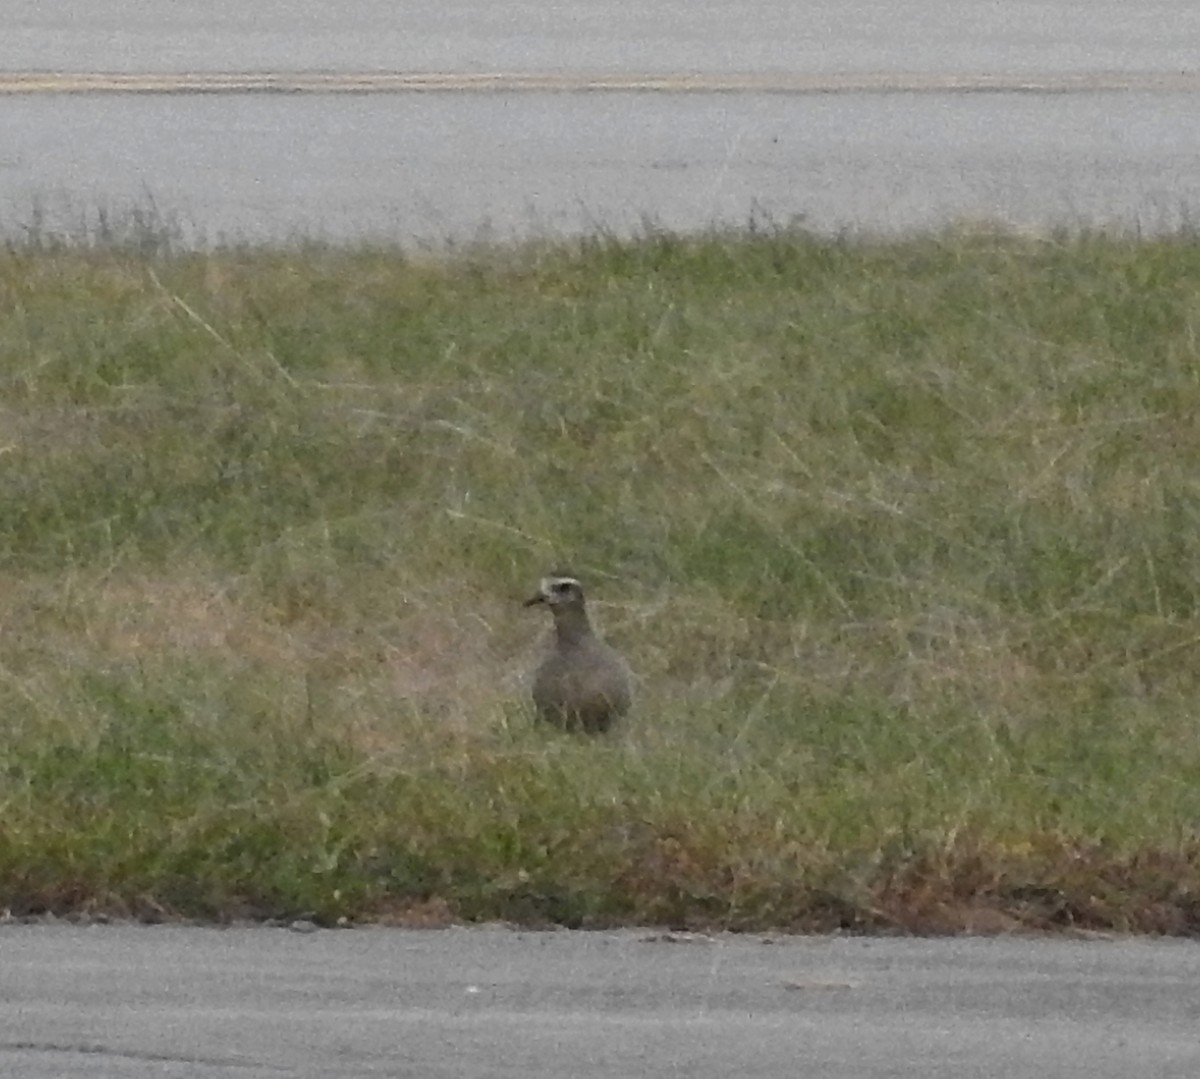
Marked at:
<point>583,684</point>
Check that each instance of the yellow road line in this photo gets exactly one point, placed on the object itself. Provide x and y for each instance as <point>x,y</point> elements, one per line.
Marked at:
<point>97,82</point>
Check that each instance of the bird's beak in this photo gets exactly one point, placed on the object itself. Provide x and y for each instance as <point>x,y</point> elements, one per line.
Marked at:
<point>533,601</point>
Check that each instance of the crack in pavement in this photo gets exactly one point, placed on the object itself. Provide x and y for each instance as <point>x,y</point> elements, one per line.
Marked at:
<point>96,1049</point>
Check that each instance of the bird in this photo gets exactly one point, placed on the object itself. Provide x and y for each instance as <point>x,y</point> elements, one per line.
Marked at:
<point>583,684</point>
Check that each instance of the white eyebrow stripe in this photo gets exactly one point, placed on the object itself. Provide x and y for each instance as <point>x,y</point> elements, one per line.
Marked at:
<point>550,582</point>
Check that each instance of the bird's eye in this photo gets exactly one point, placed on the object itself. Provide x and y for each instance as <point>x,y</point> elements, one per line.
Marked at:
<point>562,587</point>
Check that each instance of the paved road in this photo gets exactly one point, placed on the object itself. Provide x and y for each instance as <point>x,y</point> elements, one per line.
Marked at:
<point>126,1002</point>
<point>841,114</point>
<point>426,168</point>
<point>601,35</point>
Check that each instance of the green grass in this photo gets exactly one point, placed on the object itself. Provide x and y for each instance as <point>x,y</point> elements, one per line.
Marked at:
<point>902,538</point>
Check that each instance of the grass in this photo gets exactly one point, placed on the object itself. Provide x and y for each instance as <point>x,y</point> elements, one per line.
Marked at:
<point>903,538</point>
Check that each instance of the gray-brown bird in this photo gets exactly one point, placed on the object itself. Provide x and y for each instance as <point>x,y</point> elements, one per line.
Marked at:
<point>582,684</point>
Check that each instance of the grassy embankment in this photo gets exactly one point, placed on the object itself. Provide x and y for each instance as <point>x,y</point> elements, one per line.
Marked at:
<point>902,538</point>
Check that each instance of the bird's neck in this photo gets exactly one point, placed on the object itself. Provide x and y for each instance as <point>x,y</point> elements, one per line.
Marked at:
<point>571,625</point>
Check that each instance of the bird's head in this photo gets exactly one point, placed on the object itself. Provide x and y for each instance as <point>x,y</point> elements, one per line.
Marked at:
<point>556,591</point>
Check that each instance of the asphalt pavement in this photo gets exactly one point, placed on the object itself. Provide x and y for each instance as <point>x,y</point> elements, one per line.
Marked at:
<point>438,125</point>
<point>124,1002</point>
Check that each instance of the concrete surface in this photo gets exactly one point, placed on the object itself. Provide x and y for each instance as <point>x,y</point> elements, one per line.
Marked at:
<point>425,168</point>
<point>127,1001</point>
<point>947,36</point>
<point>449,122</point>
